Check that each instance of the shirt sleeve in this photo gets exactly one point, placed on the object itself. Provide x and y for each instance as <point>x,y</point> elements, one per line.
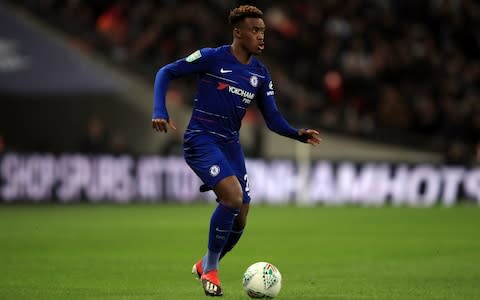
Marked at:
<point>273,118</point>
<point>197,62</point>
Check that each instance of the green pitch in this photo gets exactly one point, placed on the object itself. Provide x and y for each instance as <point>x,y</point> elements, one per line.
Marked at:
<point>146,252</point>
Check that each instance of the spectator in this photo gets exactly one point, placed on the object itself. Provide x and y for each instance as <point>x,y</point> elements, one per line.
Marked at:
<point>96,138</point>
<point>404,66</point>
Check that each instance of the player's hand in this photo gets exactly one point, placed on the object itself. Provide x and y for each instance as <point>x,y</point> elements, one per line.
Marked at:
<point>313,136</point>
<point>162,125</point>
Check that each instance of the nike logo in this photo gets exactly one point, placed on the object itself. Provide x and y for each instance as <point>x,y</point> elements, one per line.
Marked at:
<point>223,71</point>
<point>220,230</point>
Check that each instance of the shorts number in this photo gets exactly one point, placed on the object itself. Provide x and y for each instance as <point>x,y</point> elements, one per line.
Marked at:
<point>247,184</point>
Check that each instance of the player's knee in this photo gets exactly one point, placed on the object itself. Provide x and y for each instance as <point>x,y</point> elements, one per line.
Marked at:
<point>230,192</point>
<point>237,199</point>
<point>234,197</point>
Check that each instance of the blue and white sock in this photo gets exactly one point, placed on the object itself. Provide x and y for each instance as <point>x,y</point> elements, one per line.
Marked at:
<point>221,224</point>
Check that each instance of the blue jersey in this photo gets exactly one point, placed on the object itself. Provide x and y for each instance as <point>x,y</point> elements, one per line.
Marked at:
<point>225,89</point>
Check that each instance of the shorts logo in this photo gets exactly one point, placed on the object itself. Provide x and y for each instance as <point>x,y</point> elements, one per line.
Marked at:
<point>254,81</point>
<point>214,170</point>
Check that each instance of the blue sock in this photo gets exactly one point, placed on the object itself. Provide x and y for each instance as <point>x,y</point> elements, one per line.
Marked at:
<point>221,224</point>
<point>232,241</point>
<point>210,261</point>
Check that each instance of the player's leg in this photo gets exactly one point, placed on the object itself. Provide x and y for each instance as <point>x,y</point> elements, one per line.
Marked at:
<point>234,154</point>
<point>229,193</point>
<point>235,234</point>
<point>233,238</point>
<point>237,229</point>
<point>209,163</point>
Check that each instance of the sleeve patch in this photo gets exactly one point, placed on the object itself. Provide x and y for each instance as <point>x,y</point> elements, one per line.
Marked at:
<point>270,86</point>
<point>194,56</point>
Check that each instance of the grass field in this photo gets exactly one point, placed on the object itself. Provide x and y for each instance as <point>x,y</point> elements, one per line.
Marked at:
<point>146,252</point>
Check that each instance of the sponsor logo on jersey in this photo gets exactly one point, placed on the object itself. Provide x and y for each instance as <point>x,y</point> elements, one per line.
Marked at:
<point>240,92</point>
<point>247,96</point>
<point>222,85</point>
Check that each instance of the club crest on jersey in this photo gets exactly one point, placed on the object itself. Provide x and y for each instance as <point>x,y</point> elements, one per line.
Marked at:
<point>194,56</point>
<point>254,81</point>
<point>214,170</point>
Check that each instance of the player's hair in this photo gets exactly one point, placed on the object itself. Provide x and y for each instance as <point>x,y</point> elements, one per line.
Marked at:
<point>238,14</point>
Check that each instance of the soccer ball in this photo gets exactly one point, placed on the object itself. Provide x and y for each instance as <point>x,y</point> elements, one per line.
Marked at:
<point>262,280</point>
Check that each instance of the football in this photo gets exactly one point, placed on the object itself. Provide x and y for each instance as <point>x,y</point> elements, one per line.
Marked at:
<point>262,280</point>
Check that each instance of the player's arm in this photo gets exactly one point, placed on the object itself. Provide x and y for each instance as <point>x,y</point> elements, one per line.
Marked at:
<point>196,62</point>
<point>277,123</point>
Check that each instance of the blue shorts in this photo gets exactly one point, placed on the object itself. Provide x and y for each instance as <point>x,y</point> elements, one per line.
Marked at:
<point>212,161</point>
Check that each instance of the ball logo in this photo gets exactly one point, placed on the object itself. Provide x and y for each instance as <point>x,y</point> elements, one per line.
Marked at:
<point>254,81</point>
<point>214,170</point>
<point>269,275</point>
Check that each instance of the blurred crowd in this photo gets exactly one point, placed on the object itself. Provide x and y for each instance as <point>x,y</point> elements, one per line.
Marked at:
<point>399,71</point>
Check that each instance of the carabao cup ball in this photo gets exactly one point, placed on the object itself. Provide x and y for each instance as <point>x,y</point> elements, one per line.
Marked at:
<point>262,280</point>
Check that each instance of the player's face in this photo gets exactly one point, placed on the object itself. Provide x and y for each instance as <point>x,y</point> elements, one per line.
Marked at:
<point>252,35</point>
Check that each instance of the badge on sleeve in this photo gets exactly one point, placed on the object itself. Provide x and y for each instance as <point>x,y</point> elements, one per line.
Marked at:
<point>270,86</point>
<point>194,56</point>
